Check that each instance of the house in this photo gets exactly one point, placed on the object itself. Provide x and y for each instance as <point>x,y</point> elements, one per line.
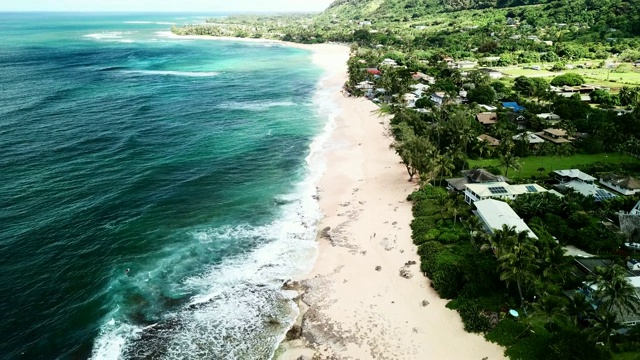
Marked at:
<point>637,63</point>
<point>438,98</point>
<point>530,137</point>
<point>409,100</point>
<point>475,176</point>
<point>364,23</point>
<point>556,136</point>
<point>564,176</point>
<point>424,77</point>
<point>636,209</point>
<point>420,87</point>
<point>488,107</point>
<point>500,190</point>
<point>513,106</point>
<point>448,59</point>
<point>581,183</point>
<point>464,64</point>
<point>388,62</point>
<point>548,42</point>
<point>489,139</point>
<point>487,118</point>
<point>364,85</point>
<point>493,74</point>
<point>548,116</point>
<point>495,214</point>
<point>625,185</point>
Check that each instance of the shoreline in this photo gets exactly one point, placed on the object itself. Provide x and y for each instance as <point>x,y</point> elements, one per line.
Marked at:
<point>365,297</point>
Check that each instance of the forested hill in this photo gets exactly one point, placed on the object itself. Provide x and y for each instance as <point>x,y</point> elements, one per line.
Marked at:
<point>622,15</point>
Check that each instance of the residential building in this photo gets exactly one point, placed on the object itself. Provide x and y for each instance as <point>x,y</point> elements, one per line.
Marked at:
<point>500,190</point>
<point>374,71</point>
<point>513,106</point>
<point>581,183</point>
<point>438,98</point>
<point>633,264</point>
<point>548,116</point>
<point>625,185</point>
<point>420,87</point>
<point>488,107</point>
<point>495,214</point>
<point>409,100</point>
<point>556,136</point>
<point>465,64</point>
<point>487,118</point>
<point>636,209</point>
<point>475,176</point>
<point>533,139</point>
<point>489,139</point>
<point>388,62</point>
<point>565,176</point>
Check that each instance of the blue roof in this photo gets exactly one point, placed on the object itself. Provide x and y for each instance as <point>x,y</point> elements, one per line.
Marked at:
<point>513,105</point>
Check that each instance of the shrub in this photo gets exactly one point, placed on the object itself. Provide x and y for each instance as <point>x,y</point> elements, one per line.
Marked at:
<point>568,79</point>
<point>419,226</point>
<point>448,238</point>
<point>573,345</point>
<point>533,347</point>
<point>427,252</point>
<point>472,316</point>
<point>507,332</point>
<point>446,275</point>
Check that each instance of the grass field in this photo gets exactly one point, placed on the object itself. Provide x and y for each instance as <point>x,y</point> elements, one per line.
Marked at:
<point>602,77</point>
<point>530,165</point>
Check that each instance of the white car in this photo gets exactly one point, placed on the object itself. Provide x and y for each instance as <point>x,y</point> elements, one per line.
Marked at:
<point>632,246</point>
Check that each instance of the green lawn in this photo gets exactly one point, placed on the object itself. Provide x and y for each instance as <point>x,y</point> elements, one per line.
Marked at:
<point>602,77</point>
<point>626,356</point>
<point>530,165</point>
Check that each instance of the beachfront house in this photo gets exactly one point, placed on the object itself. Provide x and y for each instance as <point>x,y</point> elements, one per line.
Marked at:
<point>475,176</point>
<point>556,136</point>
<point>500,190</point>
<point>494,214</point>
<point>581,183</point>
<point>625,185</point>
<point>487,119</point>
<point>513,106</point>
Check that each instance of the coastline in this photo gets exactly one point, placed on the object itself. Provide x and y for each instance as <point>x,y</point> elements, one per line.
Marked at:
<point>365,297</point>
<point>356,303</point>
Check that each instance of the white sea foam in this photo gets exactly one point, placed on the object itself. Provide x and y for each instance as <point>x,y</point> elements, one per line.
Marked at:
<point>175,73</point>
<point>235,299</point>
<point>109,35</point>
<point>255,105</point>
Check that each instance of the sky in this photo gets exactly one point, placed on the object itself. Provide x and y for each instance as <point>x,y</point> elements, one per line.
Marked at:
<point>165,5</point>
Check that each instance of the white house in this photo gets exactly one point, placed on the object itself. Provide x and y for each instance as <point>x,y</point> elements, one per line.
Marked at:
<point>625,185</point>
<point>410,100</point>
<point>420,87</point>
<point>494,214</point>
<point>389,62</point>
<point>548,116</point>
<point>464,64</point>
<point>531,137</point>
<point>500,190</point>
<point>438,97</point>
<point>573,174</point>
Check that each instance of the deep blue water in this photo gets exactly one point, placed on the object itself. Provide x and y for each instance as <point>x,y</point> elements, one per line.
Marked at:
<point>183,161</point>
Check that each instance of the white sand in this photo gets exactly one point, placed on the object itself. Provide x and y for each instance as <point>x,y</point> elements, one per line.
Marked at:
<point>352,310</point>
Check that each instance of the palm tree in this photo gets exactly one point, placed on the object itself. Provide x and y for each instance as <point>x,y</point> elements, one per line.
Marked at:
<point>509,161</point>
<point>517,261</point>
<point>550,309</point>
<point>443,165</point>
<point>603,327</point>
<point>614,291</point>
<point>556,263</point>
<point>578,307</point>
<point>475,227</point>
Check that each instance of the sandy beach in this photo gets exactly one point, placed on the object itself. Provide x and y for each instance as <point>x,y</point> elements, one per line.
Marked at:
<point>355,304</point>
<point>366,297</point>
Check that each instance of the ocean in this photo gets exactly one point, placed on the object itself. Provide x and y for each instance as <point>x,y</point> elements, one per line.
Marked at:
<point>189,164</point>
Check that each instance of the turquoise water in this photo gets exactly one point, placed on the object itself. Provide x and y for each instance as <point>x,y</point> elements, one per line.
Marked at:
<point>186,162</point>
